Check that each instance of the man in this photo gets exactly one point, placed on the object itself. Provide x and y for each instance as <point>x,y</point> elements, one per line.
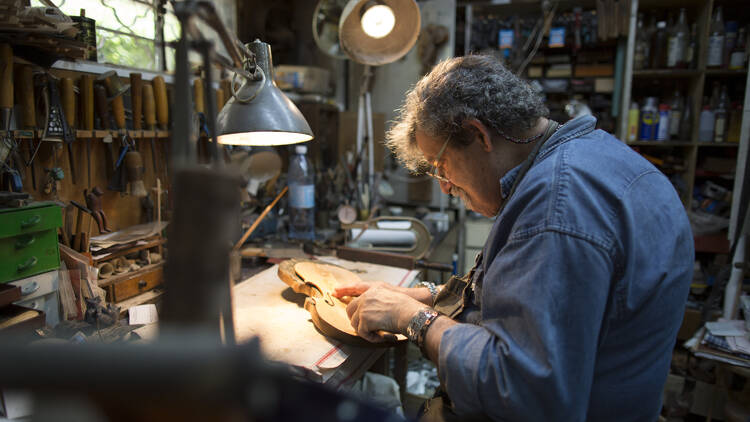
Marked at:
<point>573,307</point>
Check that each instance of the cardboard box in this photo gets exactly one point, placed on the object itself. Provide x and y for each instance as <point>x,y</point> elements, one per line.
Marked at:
<point>307,79</point>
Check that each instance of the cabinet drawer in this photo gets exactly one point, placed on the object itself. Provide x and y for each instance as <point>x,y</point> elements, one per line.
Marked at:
<point>136,283</point>
<point>30,219</point>
<point>28,254</point>
<point>49,304</point>
<point>38,285</point>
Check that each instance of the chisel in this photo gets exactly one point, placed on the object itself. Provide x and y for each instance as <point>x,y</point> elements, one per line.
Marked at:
<point>25,95</point>
<point>160,101</point>
<point>69,110</point>
<point>199,109</point>
<point>87,116</point>
<point>149,115</point>
<point>136,83</point>
<point>100,101</point>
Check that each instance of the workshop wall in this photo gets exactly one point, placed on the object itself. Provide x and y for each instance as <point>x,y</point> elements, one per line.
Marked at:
<point>122,209</point>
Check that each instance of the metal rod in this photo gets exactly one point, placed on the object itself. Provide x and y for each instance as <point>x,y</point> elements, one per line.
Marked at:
<point>260,218</point>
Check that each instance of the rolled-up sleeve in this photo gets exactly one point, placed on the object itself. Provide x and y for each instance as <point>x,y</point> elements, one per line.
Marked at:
<point>532,357</point>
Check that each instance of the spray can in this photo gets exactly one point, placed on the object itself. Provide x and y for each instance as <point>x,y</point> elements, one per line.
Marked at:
<point>662,128</point>
<point>649,120</point>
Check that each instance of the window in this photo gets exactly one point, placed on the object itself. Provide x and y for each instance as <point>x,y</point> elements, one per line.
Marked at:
<point>130,32</point>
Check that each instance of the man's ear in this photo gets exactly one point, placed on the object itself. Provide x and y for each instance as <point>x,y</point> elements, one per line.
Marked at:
<point>482,132</point>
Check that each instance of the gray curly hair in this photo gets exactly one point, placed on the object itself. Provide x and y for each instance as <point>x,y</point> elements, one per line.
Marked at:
<point>455,91</point>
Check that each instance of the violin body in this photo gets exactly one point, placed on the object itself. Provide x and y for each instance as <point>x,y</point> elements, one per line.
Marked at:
<point>317,281</point>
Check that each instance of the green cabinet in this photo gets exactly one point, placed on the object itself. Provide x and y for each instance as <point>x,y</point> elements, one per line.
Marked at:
<point>28,240</point>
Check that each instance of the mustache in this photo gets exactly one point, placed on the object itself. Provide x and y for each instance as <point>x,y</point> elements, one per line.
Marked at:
<point>456,191</point>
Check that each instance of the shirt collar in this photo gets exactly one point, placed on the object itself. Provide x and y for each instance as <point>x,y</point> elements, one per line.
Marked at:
<point>571,129</point>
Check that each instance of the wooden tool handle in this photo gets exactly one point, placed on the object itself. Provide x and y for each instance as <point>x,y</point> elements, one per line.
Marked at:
<point>100,98</point>
<point>136,99</point>
<point>26,96</point>
<point>160,98</point>
<point>198,96</point>
<point>118,110</point>
<point>68,100</point>
<point>220,99</point>
<point>149,110</point>
<point>87,102</point>
<point>6,76</point>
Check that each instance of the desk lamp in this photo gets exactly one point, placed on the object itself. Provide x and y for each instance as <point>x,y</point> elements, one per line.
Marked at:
<point>206,199</point>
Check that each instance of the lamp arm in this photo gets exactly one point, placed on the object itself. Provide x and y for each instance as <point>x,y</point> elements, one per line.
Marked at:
<point>207,12</point>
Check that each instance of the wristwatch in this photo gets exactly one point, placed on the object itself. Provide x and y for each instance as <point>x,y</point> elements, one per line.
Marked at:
<point>416,331</point>
<point>431,287</point>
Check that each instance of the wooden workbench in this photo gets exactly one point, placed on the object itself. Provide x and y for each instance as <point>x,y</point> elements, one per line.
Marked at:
<point>266,307</point>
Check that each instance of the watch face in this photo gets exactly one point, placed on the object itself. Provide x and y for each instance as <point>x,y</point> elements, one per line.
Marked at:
<point>347,214</point>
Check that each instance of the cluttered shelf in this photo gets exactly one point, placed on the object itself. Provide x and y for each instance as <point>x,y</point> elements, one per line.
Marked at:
<point>661,143</point>
<point>666,73</point>
<point>95,134</point>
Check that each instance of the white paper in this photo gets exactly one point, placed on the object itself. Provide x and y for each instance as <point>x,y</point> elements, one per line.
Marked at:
<point>727,328</point>
<point>143,314</point>
<point>739,344</point>
<point>18,403</point>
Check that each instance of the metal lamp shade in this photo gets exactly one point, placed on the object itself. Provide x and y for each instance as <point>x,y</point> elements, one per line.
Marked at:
<point>365,49</point>
<point>268,119</point>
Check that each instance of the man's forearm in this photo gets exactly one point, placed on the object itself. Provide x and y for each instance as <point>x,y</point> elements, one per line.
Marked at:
<point>434,335</point>
<point>421,294</point>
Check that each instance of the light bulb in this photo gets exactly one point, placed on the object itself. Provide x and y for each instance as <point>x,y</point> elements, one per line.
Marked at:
<point>378,21</point>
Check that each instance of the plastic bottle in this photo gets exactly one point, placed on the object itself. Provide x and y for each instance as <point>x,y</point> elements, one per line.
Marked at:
<point>730,40</point>
<point>301,196</point>
<point>633,114</point>
<point>678,42</point>
<point>662,129</point>
<point>692,48</point>
<point>716,40</point>
<point>649,120</point>
<point>706,123</point>
<point>720,116</point>
<point>675,114</point>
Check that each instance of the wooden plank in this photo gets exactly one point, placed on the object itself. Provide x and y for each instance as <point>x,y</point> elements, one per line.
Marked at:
<point>151,296</point>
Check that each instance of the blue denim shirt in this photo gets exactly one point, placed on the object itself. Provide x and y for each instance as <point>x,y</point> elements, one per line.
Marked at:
<point>582,290</point>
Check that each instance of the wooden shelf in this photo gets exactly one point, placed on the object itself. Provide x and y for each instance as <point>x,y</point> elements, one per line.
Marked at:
<point>660,144</point>
<point>726,72</point>
<point>126,251</point>
<point>666,73</point>
<point>719,144</point>
<point>95,134</point>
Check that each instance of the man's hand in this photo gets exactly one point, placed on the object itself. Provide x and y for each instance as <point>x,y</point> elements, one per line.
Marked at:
<point>381,308</point>
<point>421,294</point>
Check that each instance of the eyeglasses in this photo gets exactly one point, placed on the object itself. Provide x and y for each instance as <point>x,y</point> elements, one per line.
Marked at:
<point>435,170</point>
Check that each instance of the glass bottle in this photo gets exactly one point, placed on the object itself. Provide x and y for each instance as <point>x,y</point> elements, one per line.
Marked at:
<point>692,48</point>
<point>659,46</point>
<point>686,121</point>
<point>641,53</point>
<point>716,40</point>
<point>678,41</point>
<point>737,58</point>
<point>675,114</point>
<point>720,116</point>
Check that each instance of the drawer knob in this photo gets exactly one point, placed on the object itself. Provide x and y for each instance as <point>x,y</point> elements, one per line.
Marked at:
<point>141,284</point>
<point>25,242</point>
<point>31,222</point>
<point>28,264</point>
